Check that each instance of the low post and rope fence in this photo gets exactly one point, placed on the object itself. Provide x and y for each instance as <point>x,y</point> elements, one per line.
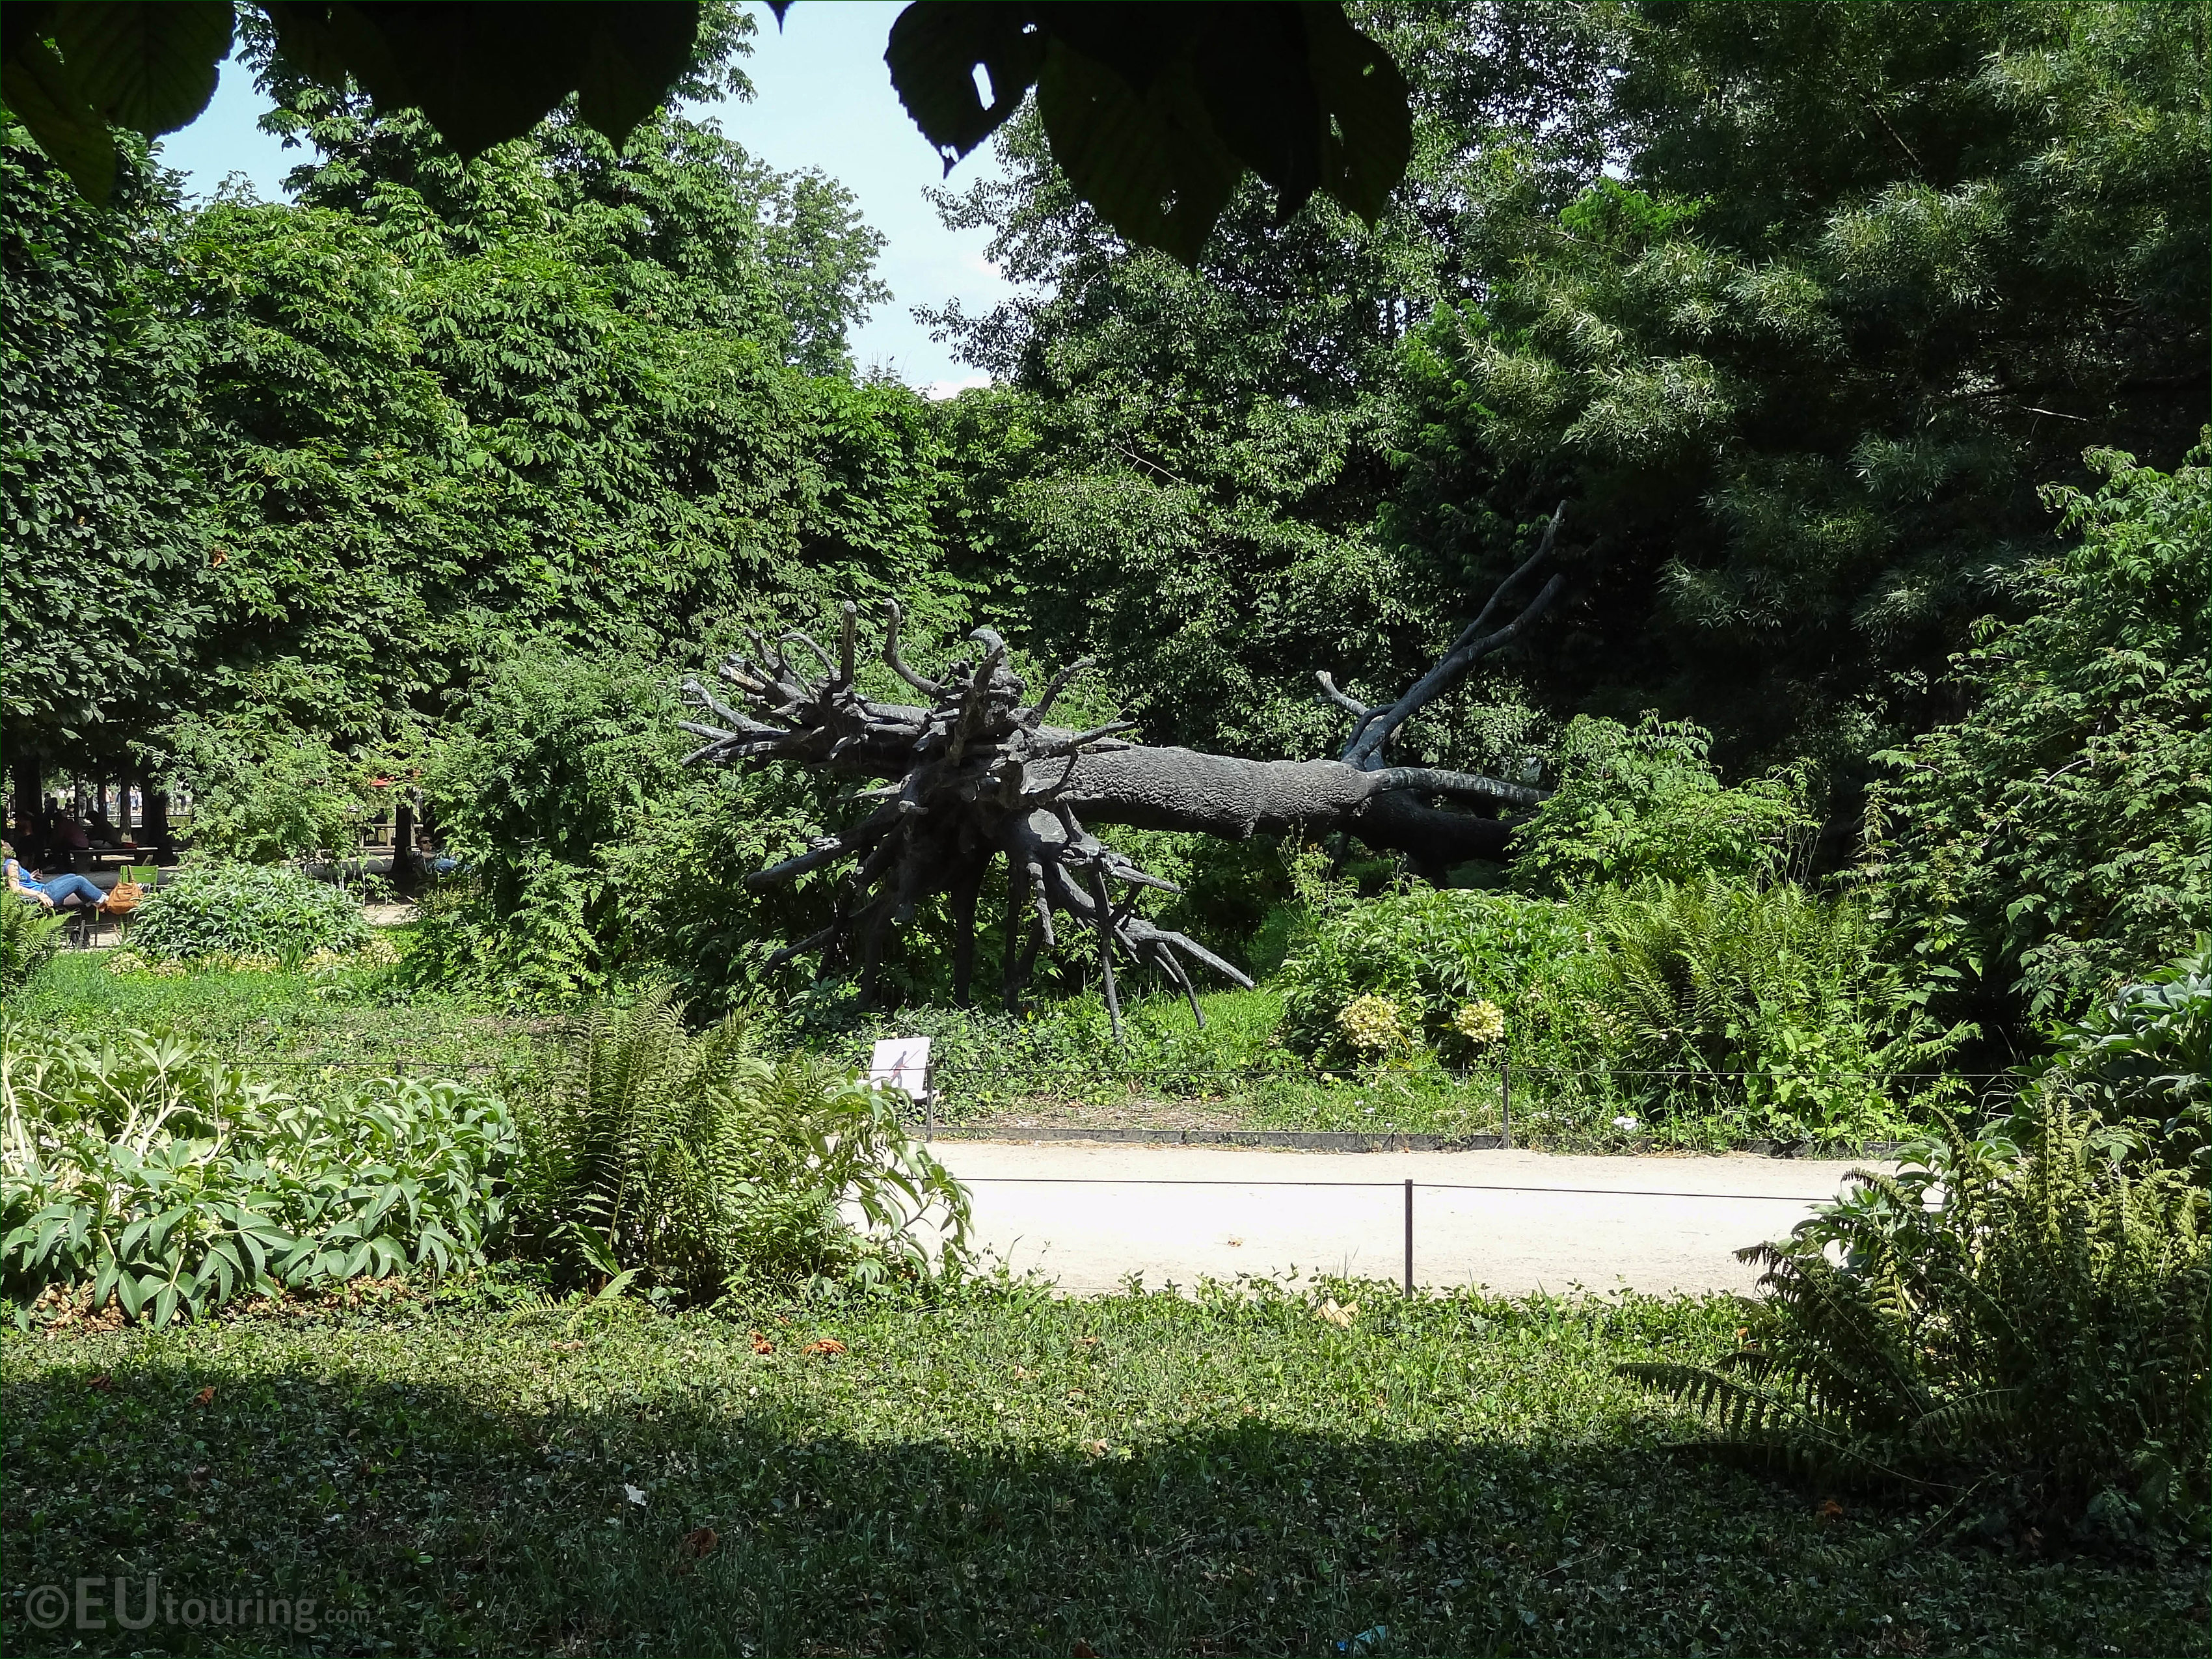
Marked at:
<point>1406,1185</point>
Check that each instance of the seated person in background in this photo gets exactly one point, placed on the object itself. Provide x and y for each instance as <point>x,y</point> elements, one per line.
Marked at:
<point>103,833</point>
<point>54,892</point>
<point>69,834</point>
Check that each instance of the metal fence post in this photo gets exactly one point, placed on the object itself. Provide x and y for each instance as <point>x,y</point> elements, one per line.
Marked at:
<point>1505,1099</point>
<point>1409,1235</point>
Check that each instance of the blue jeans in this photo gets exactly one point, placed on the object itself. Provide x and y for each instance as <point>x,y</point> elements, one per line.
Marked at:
<point>59,888</point>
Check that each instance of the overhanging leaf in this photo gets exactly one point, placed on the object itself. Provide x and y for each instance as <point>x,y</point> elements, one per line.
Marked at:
<point>935,48</point>
<point>146,65</point>
<point>1150,165</point>
<point>44,96</point>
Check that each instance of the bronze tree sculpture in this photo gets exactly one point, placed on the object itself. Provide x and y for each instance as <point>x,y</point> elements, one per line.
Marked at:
<point>974,773</point>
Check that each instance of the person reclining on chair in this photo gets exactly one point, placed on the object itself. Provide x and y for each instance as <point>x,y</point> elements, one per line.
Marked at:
<point>54,892</point>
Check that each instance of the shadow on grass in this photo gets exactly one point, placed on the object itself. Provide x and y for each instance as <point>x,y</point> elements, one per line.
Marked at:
<point>414,1518</point>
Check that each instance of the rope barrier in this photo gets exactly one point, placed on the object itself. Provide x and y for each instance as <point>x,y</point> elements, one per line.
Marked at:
<point>1431,1185</point>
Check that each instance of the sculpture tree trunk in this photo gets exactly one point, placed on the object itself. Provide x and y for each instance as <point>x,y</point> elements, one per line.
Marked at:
<point>975,773</point>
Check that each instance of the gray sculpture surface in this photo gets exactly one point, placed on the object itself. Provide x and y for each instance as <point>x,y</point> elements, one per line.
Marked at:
<point>973,772</point>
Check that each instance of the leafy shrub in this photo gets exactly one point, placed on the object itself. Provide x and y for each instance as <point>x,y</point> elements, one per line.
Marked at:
<point>1431,952</point>
<point>30,936</point>
<point>691,1161</point>
<point>264,791</point>
<point>1667,1001</point>
<point>539,948</point>
<point>145,1167</point>
<point>2016,1320</point>
<point>243,910</point>
<point>2037,852</point>
<point>1765,996</point>
<point>2144,1058</point>
<point>1643,803</point>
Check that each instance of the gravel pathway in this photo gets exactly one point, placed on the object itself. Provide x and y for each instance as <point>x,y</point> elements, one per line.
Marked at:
<point>1087,1216</point>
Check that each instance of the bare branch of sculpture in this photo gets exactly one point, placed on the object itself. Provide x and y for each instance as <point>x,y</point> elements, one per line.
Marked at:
<point>974,776</point>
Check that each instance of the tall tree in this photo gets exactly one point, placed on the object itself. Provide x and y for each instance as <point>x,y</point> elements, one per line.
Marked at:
<point>1795,307</point>
<point>1873,274</point>
<point>102,575</point>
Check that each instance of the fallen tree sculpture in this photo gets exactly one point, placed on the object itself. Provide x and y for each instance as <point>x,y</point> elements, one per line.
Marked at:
<point>974,773</point>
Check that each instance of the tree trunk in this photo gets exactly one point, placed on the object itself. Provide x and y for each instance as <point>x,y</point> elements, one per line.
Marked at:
<point>402,838</point>
<point>30,807</point>
<point>157,823</point>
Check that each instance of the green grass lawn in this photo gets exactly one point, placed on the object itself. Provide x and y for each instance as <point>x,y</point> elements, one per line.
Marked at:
<point>1055,1068</point>
<point>355,1018</point>
<point>1001,1472</point>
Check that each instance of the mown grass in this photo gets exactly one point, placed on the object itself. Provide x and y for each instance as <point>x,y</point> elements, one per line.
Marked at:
<point>995,1471</point>
<point>355,1018</point>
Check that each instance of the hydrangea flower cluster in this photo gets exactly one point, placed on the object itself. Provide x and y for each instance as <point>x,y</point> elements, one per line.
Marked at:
<point>1372,1024</point>
<point>1479,1023</point>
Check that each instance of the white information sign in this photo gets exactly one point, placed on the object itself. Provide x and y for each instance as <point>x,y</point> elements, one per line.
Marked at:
<point>903,1063</point>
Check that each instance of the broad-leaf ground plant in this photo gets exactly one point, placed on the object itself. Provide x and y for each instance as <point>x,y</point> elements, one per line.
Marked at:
<point>145,1168</point>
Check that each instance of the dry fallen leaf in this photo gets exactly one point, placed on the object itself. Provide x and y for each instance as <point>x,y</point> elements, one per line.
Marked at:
<point>700,1540</point>
<point>762,1344</point>
<point>1087,1341</point>
<point>1083,1650</point>
<point>104,1383</point>
<point>1831,1511</point>
<point>827,1345</point>
<point>568,1347</point>
<point>1236,1241</point>
<point>1094,1449</point>
<point>1335,1316</point>
<point>1021,1374</point>
<point>205,1396</point>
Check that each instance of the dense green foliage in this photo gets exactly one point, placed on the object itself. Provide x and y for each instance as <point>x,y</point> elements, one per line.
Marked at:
<point>2019,1320</point>
<point>2059,839</point>
<point>101,587</point>
<point>2144,1059</point>
<point>1763,1008</point>
<point>694,1164</point>
<point>247,910</point>
<point>445,473</point>
<point>148,1169</point>
<point>1644,803</point>
<point>1859,279</point>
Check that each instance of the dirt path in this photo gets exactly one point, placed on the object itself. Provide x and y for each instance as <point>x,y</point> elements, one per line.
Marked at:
<point>1661,1225</point>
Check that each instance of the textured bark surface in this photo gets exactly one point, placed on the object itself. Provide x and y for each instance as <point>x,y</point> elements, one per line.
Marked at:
<point>975,773</point>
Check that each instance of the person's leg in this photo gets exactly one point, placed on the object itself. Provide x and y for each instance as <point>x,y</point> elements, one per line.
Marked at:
<point>61,888</point>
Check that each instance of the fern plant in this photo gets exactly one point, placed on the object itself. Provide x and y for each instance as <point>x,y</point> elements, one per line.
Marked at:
<point>2016,1320</point>
<point>1765,996</point>
<point>29,935</point>
<point>687,1159</point>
